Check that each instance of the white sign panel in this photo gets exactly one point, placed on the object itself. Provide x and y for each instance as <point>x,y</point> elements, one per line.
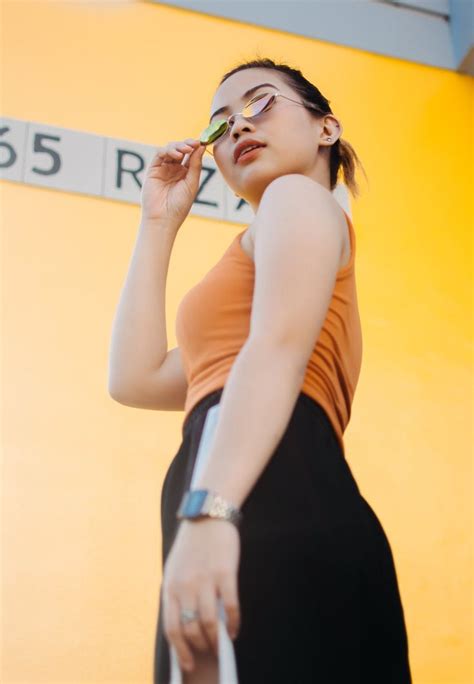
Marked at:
<point>75,161</point>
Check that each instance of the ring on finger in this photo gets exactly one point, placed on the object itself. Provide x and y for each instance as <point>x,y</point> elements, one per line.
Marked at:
<point>192,629</point>
<point>187,615</point>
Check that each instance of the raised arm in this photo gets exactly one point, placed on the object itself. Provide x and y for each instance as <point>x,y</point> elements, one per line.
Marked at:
<point>139,341</point>
<point>142,373</point>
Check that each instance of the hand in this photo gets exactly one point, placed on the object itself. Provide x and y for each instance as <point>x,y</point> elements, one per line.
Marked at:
<point>170,188</point>
<point>201,566</point>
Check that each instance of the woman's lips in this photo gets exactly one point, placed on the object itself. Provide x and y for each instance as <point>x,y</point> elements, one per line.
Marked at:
<point>249,155</point>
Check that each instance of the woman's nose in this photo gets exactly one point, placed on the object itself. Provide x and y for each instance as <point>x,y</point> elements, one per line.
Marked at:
<point>239,123</point>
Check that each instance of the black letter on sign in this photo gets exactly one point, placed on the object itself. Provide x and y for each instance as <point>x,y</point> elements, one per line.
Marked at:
<point>240,203</point>
<point>121,170</point>
<point>39,147</point>
<point>7,146</point>
<point>207,178</point>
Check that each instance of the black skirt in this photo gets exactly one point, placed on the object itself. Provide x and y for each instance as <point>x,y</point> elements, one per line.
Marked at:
<point>318,591</point>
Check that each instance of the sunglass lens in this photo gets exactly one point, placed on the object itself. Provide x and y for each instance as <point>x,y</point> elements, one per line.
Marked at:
<point>258,105</point>
<point>217,128</point>
<point>213,131</point>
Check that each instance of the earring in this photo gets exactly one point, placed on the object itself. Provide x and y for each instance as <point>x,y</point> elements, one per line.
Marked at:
<point>329,139</point>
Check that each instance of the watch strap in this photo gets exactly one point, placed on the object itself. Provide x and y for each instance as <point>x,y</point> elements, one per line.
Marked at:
<point>202,503</point>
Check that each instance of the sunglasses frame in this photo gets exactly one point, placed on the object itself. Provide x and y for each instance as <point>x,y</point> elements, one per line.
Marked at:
<point>227,121</point>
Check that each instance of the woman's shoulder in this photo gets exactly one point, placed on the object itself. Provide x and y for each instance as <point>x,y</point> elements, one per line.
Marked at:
<point>247,240</point>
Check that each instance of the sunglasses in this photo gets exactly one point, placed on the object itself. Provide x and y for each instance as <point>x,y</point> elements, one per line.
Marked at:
<point>257,105</point>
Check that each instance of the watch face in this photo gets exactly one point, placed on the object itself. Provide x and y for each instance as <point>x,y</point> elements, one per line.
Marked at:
<point>193,502</point>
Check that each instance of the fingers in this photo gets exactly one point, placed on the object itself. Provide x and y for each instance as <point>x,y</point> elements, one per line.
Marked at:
<point>208,614</point>
<point>228,590</point>
<point>173,632</point>
<point>200,634</point>
<point>174,151</point>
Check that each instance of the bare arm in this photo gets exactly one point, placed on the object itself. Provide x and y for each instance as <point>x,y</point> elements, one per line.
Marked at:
<point>163,390</point>
<point>142,372</point>
<point>260,394</point>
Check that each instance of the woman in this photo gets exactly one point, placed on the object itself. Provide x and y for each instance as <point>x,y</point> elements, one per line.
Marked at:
<point>272,333</point>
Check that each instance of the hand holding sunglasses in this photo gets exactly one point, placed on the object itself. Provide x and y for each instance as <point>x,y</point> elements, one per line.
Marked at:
<point>170,187</point>
<point>171,184</point>
<point>172,178</point>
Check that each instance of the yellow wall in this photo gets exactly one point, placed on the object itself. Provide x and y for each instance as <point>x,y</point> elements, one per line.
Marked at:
<point>82,474</point>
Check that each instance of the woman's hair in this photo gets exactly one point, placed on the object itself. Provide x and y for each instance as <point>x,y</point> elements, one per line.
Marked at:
<point>343,154</point>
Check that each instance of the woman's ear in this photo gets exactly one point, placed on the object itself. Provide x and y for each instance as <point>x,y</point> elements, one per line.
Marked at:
<point>332,129</point>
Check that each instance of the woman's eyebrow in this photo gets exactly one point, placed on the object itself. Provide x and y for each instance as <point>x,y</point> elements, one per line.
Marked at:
<point>245,95</point>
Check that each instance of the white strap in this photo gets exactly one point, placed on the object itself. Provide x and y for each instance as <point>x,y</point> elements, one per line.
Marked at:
<point>227,665</point>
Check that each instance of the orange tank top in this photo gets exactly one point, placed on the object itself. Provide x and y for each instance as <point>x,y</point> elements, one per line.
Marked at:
<point>213,323</point>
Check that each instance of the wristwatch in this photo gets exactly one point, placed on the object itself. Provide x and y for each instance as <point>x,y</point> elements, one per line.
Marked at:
<point>204,503</point>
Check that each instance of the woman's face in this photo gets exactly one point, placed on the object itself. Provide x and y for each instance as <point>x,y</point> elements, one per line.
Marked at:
<point>295,140</point>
